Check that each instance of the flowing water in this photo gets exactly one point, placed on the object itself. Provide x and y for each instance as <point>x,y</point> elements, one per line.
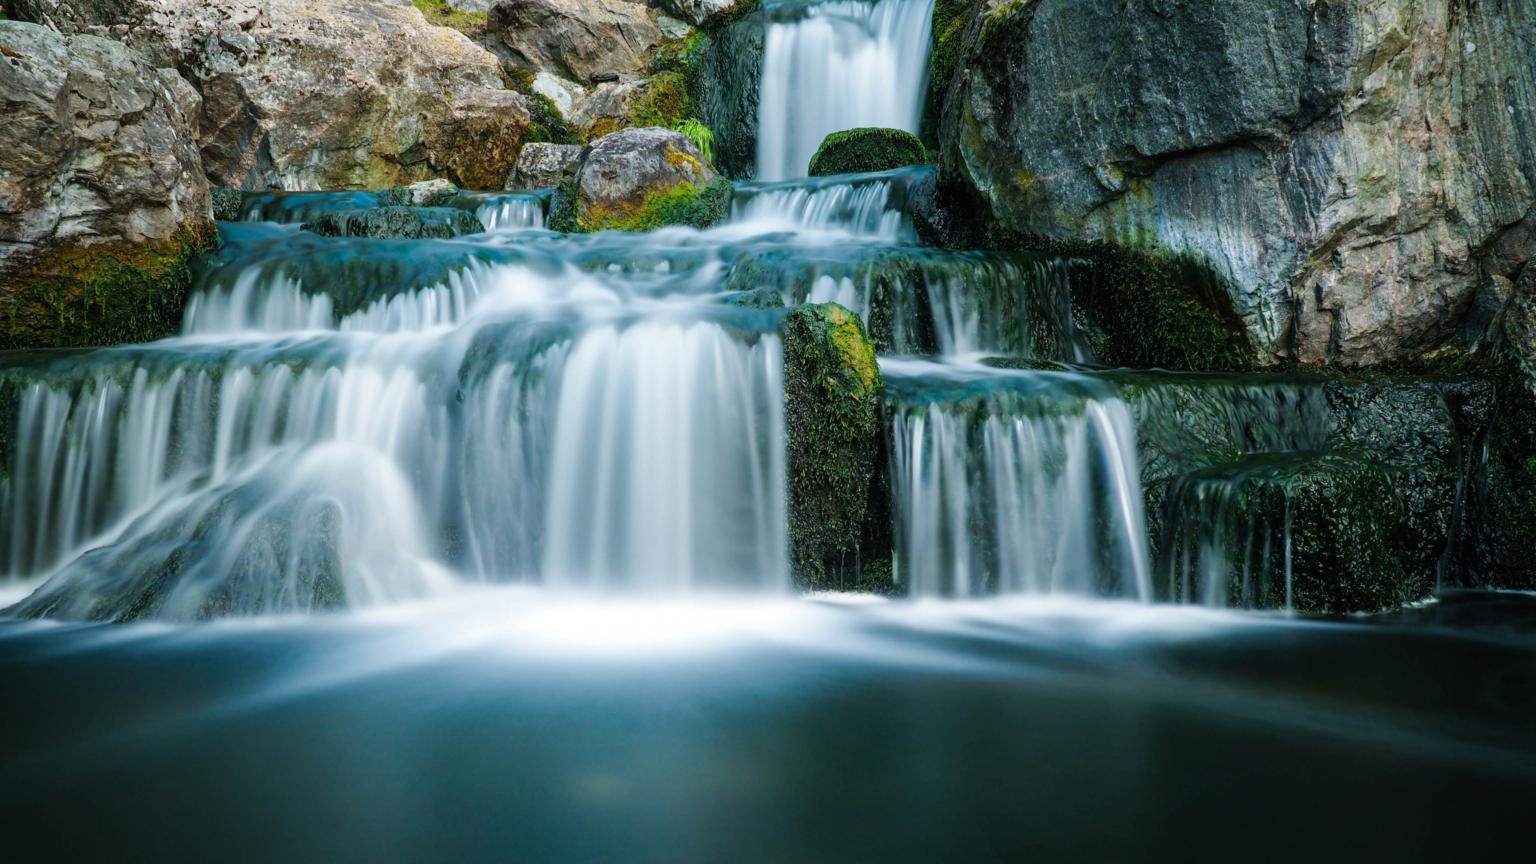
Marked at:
<point>479,549</point>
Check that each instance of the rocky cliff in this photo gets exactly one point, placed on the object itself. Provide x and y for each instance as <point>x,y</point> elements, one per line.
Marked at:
<point>1359,174</point>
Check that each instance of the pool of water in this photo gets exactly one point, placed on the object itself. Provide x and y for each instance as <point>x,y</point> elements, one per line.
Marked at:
<point>512,725</point>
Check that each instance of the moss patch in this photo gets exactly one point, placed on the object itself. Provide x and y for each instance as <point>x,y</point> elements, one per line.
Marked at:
<point>438,12</point>
<point>103,294</point>
<point>857,150</point>
<point>831,388</point>
<point>682,204</point>
<point>663,103</point>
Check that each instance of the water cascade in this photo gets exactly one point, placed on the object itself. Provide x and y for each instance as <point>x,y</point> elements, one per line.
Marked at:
<point>834,66</point>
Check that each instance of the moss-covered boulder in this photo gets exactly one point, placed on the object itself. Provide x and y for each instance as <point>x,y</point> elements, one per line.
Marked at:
<point>721,64</point>
<point>638,180</point>
<point>838,530</point>
<point>104,198</point>
<point>403,223</point>
<point>853,151</point>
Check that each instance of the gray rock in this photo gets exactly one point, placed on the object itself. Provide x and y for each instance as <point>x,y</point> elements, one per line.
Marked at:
<point>697,12</point>
<point>322,94</point>
<point>1342,164</point>
<point>621,171</point>
<point>543,166</point>
<point>427,193</point>
<point>102,194</point>
<point>607,108</point>
<point>576,39</point>
<point>401,223</point>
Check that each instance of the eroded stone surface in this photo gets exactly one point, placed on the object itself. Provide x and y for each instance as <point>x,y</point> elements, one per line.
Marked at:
<point>1343,164</point>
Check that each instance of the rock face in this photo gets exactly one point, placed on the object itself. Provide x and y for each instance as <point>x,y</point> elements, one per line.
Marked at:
<point>696,12</point>
<point>622,175</point>
<point>312,94</point>
<point>398,223</point>
<point>544,166</point>
<point>102,198</point>
<point>1343,165</point>
<point>576,39</point>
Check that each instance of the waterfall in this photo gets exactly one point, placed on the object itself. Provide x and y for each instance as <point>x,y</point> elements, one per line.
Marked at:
<point>834,66</point>
<point>866,205</point>
<point>1021,483</point>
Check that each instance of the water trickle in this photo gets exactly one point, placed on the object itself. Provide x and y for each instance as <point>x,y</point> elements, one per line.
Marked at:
<point>834,66</point>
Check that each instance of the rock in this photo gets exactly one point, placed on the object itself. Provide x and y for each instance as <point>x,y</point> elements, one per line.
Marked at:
<point>722,67</point>
<point>426,193</point>
<point>626,178</point>
<point>400,223</point>
<point>607,109</point>
<point>576,39</point>
<point>322,94</point>
<point>1342,165</point>
<point>544,166</point>
<point>565,95</point>
<point>832,414</point>
<point>102,195</point>
<point>854,151</point>
<point>228,204</point>
<point>697,12</point>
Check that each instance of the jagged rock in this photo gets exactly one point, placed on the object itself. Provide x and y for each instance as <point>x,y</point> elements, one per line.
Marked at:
<point>312,94</point>
<point>697,12</point>
<point>564,95</point>
<point>624,176</point>
<point>102,195</point>
<point>832,415</point>
<point>1341,164</point>
<point>400,223</point>
<point>544,166</point>
<point>576,39</point>
<point>608,108</point>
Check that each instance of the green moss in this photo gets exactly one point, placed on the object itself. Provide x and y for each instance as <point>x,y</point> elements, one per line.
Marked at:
<point>948,27</point>
<point>103,294</point>
<point>856,150</point>
<point>438,12</point>
<point>683,204</point>
<point>663,103</point>
<point>545,122</point>
<point>832,383</point>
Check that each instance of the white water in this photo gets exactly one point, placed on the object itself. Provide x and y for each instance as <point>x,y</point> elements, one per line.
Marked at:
<point>840,65</point>
<point>502,212</point>
<point>862,205</point>
<point>1034,495</point>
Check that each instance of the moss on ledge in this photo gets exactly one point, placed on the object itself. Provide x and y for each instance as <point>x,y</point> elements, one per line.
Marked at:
<point>102,294</point>
<point>439,13</point>
<point>839,538</point>
<point>682,204</point>
<point>854,151</point>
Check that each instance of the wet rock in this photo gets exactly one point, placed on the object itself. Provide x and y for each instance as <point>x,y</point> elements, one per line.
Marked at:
<point>322,94</point>
<point>228,204</point>
<point>427,193</point>
<point>633,178</point>
<point>1270,140</point>
<point>544,166</point>
<point>576,39</point>
<point>854,151</point>
<point>400,223</point>
<point>102,195</point>
<point>722,67</point>
<point>839,536</point>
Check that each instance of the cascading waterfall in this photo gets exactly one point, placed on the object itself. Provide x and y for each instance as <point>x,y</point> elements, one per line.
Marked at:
<point>1014,482</point>
<point>834,66</point>
<point>866,205</point>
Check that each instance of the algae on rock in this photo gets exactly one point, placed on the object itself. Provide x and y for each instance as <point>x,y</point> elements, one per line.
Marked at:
<point>839,533</point>
<point>856,151</point>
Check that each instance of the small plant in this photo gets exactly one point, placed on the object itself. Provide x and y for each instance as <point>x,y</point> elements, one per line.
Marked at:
<point>700,135</point>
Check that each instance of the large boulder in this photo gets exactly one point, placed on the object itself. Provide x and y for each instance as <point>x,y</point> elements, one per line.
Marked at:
<point>634,178</point>
<point>697,12</point>
<point>102,196</point>
<point>1342,165</point>
<point>576,39</point>
<point>854,151</point>
<point>312,94</point>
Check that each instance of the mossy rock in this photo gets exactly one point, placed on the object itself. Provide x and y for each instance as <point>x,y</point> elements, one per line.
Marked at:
<point>404,223</point>
<point>102,294</point>
<point>855,151</point>
<point>838,521</point>
<point>228,204</point>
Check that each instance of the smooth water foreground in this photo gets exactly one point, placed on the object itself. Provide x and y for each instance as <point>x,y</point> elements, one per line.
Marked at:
<point>497,726</point>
